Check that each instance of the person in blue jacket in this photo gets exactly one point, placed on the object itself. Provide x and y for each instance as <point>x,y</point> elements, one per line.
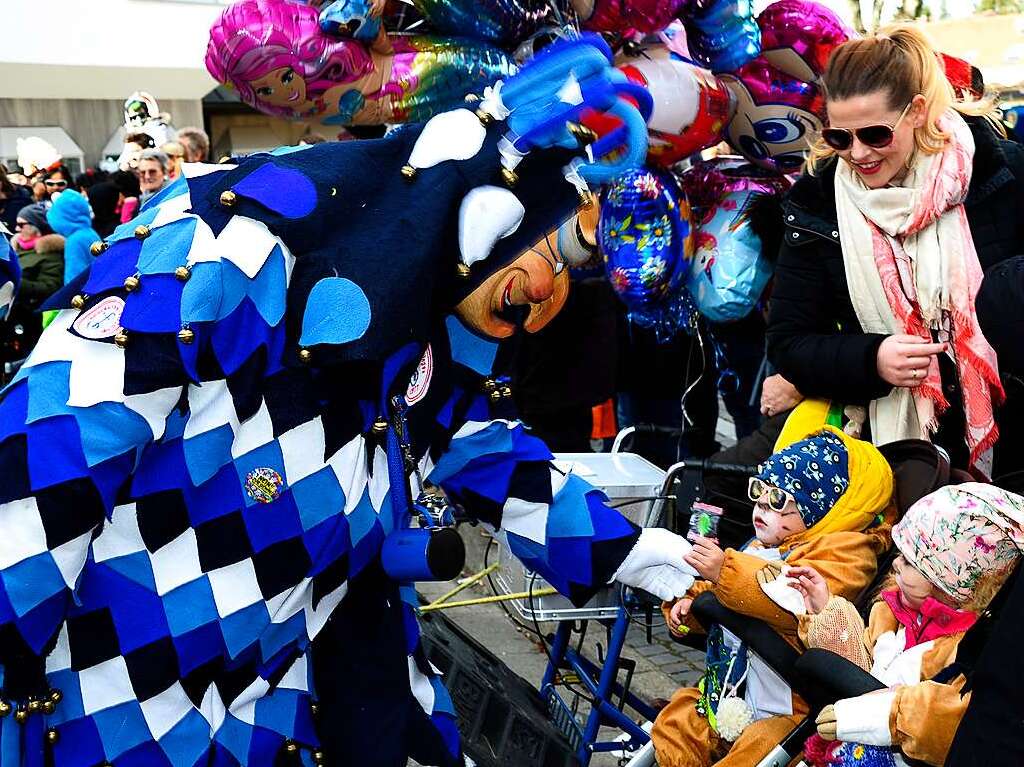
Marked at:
<point>71,217</point>
<point>236,417</point>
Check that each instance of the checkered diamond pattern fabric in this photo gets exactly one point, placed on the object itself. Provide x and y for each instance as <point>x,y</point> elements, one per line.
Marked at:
<point>178,522</point>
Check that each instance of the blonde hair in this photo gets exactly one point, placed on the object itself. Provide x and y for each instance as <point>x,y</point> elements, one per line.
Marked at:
<point>901,61</point>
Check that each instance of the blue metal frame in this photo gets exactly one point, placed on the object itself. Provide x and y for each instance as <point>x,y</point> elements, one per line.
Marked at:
<point>601,683</point>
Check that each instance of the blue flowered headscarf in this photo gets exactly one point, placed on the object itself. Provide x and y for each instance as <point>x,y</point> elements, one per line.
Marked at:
<point>815,471</point>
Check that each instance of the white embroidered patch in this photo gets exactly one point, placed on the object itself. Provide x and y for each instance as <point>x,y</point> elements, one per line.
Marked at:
<point>101,320</point>
<point>420,382</point>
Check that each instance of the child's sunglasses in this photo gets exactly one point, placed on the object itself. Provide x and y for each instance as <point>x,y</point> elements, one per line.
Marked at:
<point>777,497</point>
<point>874,136</point>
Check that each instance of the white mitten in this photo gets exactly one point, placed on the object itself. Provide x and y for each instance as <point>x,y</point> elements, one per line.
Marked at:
<point>865,719</point>
<point>656,564</point>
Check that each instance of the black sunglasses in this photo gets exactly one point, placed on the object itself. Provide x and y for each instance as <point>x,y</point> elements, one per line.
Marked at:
<point>874,136</point>
<point>60,184</point>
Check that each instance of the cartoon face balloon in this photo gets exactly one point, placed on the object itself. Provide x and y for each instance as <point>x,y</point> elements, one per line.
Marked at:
<point>798,36</point>
<point>777,116</point>
<point>645,237</point>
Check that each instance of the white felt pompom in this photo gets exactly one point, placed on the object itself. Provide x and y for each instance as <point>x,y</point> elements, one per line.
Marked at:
<point>733,716</point>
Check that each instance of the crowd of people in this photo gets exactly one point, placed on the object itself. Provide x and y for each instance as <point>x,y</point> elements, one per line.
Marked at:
<point>892,316</point>
<point>54,218</point>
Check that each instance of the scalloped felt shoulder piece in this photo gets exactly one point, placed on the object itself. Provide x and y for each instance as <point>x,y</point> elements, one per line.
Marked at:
<point>337,312</point>
<point>285,191</point>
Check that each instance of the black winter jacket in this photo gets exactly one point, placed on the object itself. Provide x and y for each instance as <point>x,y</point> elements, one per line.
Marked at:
<point>814,338</point>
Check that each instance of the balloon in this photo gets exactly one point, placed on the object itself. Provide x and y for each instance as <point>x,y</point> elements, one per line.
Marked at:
<point>722,34</point>
<point>275,55</point>
<point>691,107</point>
<point>776,116</point>
<point>729,271</point>
<point>638,15</point>
<point>498,21</point>
<point>350,18</point>
<point>798,36</point>
<point>645,237</point>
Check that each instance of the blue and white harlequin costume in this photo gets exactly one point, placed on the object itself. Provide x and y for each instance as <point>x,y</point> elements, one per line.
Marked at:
<point>196,463</point>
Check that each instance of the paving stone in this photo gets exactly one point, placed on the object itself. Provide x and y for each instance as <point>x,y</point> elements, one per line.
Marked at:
<point>648,650</point>
<point>663,658</point>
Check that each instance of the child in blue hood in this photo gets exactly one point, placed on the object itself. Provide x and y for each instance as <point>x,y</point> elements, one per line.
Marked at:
<point>71,217</point>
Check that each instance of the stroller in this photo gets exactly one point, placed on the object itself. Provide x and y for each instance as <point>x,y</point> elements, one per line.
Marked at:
<point>819,676</point>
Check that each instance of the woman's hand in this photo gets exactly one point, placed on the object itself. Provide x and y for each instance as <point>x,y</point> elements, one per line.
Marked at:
<point>812,585</point>
<point>707,558</point>
<point>678,614</point>
<point>778,395</point>
<point>904,360</point>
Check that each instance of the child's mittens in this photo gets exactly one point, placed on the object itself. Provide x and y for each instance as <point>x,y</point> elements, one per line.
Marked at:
<point>781,589</point>
<point>826,722</point>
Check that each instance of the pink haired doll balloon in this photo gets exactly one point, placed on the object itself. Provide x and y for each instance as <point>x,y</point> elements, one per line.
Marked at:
<point>275,55</point>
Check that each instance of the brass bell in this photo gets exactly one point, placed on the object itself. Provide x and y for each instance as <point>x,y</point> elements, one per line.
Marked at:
<point>34,706</point>
<point>121,339</point>
<point>291,746</point>
<point>314,709</point>
<point>472,98</point>
<point>228,198</point>
<point>490,384</point>
<point>462,270</point>
<point>56,695</point>
<point>186,336</point>
<point>484,117</point>
<point>5,708</point>
<point>582,133</point>
<point>98,247</point>
<point>142,232</point>
<point>305,356</point>
<point>77,302</point>
<point>409,172</point>
<point>586,200</point>
<point>379,425</point>
<point>509,176</point>
<point>49,707</point>
<point>183,273</point>
<point>495,395</point>
<point>131,284</point>
<point>506,391</point>
<point>52,736</point>
<point>318,757</point>
<point>21,716</point>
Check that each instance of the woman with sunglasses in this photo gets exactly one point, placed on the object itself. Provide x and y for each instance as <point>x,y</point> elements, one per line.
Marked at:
<point>56,180</point>
<point>907,197</point>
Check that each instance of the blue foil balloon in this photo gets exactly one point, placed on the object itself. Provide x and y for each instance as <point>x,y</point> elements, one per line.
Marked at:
<point>646,238</point>
<point>722,35</point>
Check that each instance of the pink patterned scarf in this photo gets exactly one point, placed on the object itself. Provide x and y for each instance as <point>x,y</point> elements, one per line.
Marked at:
<point>912,269</point>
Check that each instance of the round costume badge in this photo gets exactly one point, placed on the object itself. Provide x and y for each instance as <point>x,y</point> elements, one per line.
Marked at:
<point>263,484</point>
<point>420,382</point>
<point>102,320</point>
